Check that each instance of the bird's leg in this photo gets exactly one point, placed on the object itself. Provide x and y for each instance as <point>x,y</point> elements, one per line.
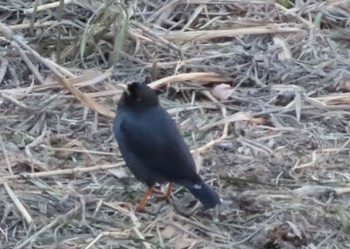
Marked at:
<point>143,201</point>
<point>166,195</point>
<point>169,191</point>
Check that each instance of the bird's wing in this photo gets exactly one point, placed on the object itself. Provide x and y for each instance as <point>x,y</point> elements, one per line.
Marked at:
<point>155,141</point>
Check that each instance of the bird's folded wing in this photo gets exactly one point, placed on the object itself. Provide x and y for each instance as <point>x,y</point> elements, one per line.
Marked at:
<point>156,143</point>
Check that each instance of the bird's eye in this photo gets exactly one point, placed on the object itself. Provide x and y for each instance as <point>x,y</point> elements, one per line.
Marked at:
<point>138,99</point>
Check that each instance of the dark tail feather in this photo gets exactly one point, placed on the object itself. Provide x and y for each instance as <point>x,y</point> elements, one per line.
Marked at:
<point>208,197</point>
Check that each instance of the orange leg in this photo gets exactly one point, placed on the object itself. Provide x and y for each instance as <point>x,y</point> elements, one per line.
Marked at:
<point>143,201</point>
<point>169,191</point>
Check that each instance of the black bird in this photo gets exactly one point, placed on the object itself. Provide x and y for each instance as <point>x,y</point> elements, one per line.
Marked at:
<point>153,148</point>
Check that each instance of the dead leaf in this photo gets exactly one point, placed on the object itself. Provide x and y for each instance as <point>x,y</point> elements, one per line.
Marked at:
<point>223,91</point>
<point>342,190</point>
<point>169,232</point>
<point>313,190</point>
<point>298,104</point>
<point>118,173</point>
<point>285,54</point>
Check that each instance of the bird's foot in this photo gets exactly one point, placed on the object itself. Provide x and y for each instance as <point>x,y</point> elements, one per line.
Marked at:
<point>141,210</point>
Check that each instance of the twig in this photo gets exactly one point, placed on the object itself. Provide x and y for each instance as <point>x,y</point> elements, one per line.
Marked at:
<point>314,155</point>
<point>30,65</point>
<point>9,191</point>
<point>54,173</point>
<point>203,35</point>
<point>95,240</point>
<point>224,132</point>
<point>36,142</point>
<point>78,150</point>
<point>6,156</point>
<point>204,77</point>
<point>18,204</point>
<point>156,36</point>
<point>45,7</point>
<point>3,68</point>
<point>13,100</point>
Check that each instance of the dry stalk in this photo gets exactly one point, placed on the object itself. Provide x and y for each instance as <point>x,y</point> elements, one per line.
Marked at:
<point>46,7</point>
<point>18,204</point>
<point>55,173</point>
<point>212,34</point>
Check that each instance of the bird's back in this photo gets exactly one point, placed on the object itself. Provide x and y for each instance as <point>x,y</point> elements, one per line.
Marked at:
<point>153,147</point>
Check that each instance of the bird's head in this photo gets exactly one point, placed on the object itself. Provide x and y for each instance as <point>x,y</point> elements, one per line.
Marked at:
<point>138,97</point>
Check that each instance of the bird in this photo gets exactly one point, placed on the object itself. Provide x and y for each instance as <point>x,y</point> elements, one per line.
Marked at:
<point>153,148</point>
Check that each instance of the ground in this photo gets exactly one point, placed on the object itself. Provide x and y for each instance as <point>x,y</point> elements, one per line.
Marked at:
<point>259,90</point>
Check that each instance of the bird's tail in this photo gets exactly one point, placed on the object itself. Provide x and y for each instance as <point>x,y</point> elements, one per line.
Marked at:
<point>207,196</point>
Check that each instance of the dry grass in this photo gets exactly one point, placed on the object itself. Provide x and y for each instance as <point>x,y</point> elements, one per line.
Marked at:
<point>259,89</point>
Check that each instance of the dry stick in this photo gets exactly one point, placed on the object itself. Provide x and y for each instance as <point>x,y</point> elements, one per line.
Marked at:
<point>30,65</point>
<point>6,156</point>
<point>54,173</point>
<point>203,35</point>
<point>47,227</point>
<point>314,155</point>
<point>105,234</point>
<point>78,150</point>
<point>95,240</point>
<point>36,142</point>
<point>156,36</point>
<point>35,25</point>
<point>59,68</point>
<point>3,68</point>
<point>206,77</point>
<point>13,100</point>
<point>225,130</point>
<point>45,7</point>
<point>83,98</point>
<point>18,204</point>
<point>161,10</point>
<point>288,12</point>
<point>95,80</point>
<point>9,191</point>
<point>102,234</point>
<point>193,17</point>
